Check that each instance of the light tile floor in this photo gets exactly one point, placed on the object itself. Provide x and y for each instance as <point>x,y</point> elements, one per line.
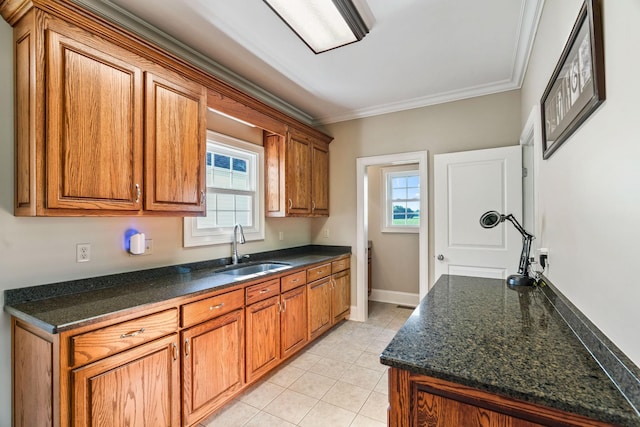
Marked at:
<point>336,381</point>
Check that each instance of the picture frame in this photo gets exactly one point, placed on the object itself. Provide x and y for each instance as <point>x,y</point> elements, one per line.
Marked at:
<point>577,86</point>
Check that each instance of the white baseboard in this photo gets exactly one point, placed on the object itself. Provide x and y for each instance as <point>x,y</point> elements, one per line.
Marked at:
<point>394,297</point>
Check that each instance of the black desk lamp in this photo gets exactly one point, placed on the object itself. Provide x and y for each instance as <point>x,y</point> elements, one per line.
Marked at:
<point>491,219</point>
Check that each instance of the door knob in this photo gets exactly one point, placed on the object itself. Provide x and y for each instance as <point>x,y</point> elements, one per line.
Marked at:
<point>440,257</point>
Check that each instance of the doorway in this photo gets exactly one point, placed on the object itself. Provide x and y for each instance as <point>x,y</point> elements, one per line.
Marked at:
<point>362,227</point>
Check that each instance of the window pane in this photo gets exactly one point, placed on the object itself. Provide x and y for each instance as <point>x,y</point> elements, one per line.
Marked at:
<point>211,202</point>
<point>398,182</point>
<point>399,194</point>
<point>239,165</point>
<point>413,193</point>
<point>225,202</point>
<point>221,178</point>
<point>413,181</point>
<point>222,162</point>
<point>243,218</point>
<point>208,221</point>
<point>225,219</point>
<point>243,203</point>
<point>240,181</point>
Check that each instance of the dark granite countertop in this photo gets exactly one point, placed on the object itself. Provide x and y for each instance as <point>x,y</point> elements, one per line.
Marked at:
<point>480,333</point>
<point>61,306</point>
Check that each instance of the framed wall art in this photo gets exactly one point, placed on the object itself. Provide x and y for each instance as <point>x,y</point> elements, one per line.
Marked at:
<point>577,85</point>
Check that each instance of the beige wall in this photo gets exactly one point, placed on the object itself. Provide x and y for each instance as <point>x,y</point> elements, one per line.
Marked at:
<point>590,188</point>
<point>483,122</point>
<point>36,251</point>
<point>394,256</point>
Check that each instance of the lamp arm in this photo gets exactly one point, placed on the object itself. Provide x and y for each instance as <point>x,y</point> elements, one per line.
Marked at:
<point>523,267</point>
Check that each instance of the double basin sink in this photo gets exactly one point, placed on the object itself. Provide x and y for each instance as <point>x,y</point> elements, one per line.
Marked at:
<point>242,272</point>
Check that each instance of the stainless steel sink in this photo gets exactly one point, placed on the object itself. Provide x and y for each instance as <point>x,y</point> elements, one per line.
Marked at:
<point>255,269</point>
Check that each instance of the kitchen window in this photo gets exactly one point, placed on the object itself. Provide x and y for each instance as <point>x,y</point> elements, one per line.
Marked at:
<point>234,193</point>
<point>401,196</point>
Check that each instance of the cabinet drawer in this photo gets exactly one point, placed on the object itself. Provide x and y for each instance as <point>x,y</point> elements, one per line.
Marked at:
<point>339,265</point>
<point>319,272</point>
<point>199,311</point>
<point>104,342</point>
<point>293,281</point>
<point>263,290</point>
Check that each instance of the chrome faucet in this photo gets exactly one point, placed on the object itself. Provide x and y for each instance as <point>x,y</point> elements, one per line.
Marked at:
<point>235,257</point>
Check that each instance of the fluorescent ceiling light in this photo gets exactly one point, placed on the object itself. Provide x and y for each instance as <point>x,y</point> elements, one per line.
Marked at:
<point>322,24</point>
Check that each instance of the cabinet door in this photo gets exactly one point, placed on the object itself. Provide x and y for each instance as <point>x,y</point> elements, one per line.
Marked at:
<point>319,298</point>
<point>320,180</point>
<point>263,337</point>
<point>298,178</point>
<point>94,123</point>
<point>213,364</point>
<point>341,295</point>
<point>139,387</point>
<point>175,144</point>
<point>293,321</point>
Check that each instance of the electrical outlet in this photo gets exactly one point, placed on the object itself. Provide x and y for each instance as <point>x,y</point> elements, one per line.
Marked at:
<point>83,252</point>
<point>326,233</point>
<point>148,246</point>
<point>280,235</point>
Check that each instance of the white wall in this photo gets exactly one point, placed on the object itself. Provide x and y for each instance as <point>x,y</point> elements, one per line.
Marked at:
<point>590,188</point>
<point>36,251</point>
<point>483,122</point>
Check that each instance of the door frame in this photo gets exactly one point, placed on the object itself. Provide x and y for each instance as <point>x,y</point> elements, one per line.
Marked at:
<point>361,311</point>
<point>530,139</point>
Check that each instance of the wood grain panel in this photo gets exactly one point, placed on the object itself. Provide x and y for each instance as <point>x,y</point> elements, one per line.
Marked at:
<point>294,326</point>
<point>200,311</point>
<point>319,179</point>
<point>341,295</point>
<point>274,154</point>
<point>319,307</point>
<point>94,130</point>
<point>103,342</point>
<point>318,272</point>
<point>292,281</point>
<point>213,364</point>
<point>298,180</point>
<point>139,387</point>
<point>175,144</point>
<point>263,291</point>
<point>263,337</point>
<point>32,379</point>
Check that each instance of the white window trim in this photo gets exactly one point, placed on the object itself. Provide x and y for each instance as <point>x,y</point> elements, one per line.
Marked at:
<point>385,226</point>
<point>217,236</point>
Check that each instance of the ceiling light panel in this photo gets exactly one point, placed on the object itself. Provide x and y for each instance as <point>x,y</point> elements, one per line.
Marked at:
<point>319,23</point>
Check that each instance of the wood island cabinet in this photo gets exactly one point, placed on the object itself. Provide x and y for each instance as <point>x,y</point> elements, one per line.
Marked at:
<point>423,401</point>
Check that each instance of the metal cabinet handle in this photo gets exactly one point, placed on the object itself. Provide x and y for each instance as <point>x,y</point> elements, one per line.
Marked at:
<point>284,305</point>
<point>202,198</point>
<point>265,291</point>
<point>216,307</point>
<point>137,193</point>
<point>132,334</point>
<point>290,203</point>
<point>187,348</point>
<point>313,205</point>
<point>295,280</point>
<point>279,308</point>
<point>175,351</point>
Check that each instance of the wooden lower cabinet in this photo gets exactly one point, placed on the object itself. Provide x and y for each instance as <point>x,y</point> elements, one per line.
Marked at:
<point>176,363</point>
<point>340,295</point>
<point>420,401</point>
<point>138,387</point>
<point>293,321</point>
<point>319,302</point>
<point>263,337</point>
<point>212,364</point>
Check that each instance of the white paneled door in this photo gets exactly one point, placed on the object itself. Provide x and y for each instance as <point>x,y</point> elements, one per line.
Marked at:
<point>466,185</point>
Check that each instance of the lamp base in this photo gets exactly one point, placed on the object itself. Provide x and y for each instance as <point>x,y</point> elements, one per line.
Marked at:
<point>516,280</point>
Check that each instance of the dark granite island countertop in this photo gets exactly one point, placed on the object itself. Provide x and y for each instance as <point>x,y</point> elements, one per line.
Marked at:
<point>479,333</point>
<point>61,306</point>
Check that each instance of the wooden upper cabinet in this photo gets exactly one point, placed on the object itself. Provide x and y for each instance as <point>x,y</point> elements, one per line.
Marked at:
<point>175,144</point>
<point>100,130</point>
<point>94,123</point>
<point>297,175</point>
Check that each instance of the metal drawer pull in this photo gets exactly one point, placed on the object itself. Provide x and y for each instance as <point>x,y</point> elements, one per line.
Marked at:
<point>132,334</point>
<point>137,193</point>
<point>215,307</point>
<point>264,291</point>
<point>295,280</point>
